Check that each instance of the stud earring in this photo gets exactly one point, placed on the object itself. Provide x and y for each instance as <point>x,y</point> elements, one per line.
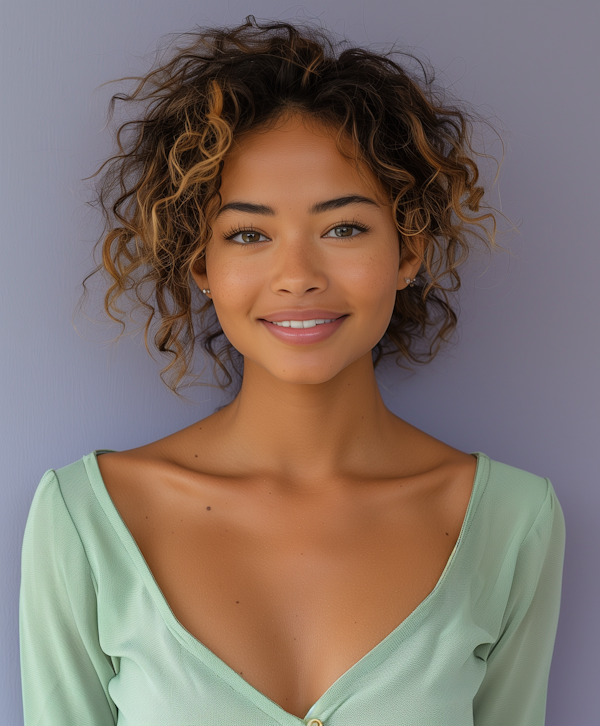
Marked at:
<point>409,282</point>
<point>206,291</point>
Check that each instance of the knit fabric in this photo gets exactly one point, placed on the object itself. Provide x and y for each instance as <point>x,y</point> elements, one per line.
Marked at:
<point>100,645</point>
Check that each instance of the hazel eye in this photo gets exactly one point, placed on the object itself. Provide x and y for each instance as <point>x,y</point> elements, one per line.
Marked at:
<point>248,236</point>
<point>345,230</point>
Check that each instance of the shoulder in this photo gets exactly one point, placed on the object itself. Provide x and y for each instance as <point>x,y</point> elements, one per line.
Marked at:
<point>70,498</point>
<point>518,490</point>
<point>132,476</point>
<point>78,484</point>
<point>56,487</point>
<point>52,541</point>
<point>516,501</point>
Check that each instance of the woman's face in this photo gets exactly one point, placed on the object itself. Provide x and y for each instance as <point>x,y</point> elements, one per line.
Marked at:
<point>301,236</point>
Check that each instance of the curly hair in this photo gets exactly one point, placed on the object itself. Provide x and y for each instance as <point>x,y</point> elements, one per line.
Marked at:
<point>159,191</point>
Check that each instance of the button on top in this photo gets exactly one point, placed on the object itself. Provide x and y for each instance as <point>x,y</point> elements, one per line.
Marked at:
<point>314,722</point>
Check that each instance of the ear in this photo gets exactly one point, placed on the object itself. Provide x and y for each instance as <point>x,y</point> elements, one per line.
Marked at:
<point>199,274</point>
<point>410,262</point>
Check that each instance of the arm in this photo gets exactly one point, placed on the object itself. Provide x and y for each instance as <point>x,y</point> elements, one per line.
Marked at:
<point>514,689</point>
<point>64,672</point>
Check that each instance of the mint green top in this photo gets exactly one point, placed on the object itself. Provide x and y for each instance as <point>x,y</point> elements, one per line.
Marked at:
<point>100,645</point>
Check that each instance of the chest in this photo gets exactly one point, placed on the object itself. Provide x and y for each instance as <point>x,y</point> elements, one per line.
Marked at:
<point>291,595</point>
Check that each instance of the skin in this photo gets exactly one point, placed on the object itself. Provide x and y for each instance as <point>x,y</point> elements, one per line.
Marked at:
<point>295,528</point>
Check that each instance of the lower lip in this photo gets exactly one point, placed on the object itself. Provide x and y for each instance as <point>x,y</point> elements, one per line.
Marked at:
<point>304,336</point>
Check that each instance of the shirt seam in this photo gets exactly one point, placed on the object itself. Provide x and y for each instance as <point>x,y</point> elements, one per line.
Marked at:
<point>529,600</point>
<point>91,571</point>
<point>87,559</point>
<point>547,496</point>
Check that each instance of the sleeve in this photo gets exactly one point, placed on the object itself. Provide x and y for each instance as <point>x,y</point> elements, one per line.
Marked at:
<point>64,671</point>
<point>514,689</point>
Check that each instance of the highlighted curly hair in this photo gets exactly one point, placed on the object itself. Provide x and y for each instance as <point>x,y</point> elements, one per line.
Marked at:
<point>159,192</point>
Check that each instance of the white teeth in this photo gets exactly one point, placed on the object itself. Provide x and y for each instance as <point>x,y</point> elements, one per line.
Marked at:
<point>303,323</point>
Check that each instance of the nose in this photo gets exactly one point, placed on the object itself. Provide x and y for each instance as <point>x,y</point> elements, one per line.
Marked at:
<point>298,266</point>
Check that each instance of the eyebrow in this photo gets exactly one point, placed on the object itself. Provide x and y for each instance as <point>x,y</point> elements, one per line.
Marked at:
<point>317,208</point>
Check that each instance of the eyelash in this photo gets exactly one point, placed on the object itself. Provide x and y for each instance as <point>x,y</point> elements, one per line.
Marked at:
<point>344,223</point>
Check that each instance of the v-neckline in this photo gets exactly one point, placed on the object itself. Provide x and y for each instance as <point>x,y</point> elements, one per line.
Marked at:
<point>377,654</point>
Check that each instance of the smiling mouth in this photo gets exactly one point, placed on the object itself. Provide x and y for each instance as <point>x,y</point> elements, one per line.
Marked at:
<point>303,323</point>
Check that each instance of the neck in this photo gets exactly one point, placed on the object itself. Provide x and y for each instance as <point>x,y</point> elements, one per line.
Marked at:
<point>304,433</point>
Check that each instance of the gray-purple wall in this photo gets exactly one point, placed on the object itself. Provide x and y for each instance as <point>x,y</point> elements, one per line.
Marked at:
<point>522,382</point>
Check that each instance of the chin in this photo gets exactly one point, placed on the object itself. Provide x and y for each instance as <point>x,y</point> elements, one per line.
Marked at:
<point>303,375</point>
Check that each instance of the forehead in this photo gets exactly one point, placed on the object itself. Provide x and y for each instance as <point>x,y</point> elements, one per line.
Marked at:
<point>297,156</point>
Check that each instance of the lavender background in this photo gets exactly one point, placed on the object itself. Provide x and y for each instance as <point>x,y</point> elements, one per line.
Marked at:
<point>520,385</point>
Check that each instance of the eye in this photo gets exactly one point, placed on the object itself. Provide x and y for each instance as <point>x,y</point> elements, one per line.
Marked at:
<point>347,229</point>
<point>247,236</point>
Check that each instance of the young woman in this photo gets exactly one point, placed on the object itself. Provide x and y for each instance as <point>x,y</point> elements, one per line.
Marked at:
<point>302,555</point>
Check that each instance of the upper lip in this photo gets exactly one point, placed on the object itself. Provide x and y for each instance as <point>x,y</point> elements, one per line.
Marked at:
<point>304,314</point>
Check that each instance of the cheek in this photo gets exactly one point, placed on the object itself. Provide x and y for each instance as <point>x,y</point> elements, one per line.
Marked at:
<point>230,275</point>
<point>371,280</point>
<point>239,284</point>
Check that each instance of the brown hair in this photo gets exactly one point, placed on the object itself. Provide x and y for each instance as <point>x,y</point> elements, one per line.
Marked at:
<point>159,191</point>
